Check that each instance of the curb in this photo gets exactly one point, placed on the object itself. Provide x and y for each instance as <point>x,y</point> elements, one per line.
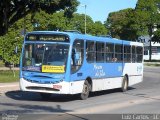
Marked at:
<point>6,87</point>
<point>8,68</point>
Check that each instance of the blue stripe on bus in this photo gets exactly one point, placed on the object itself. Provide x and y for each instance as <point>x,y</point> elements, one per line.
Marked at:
<point>98,70</point>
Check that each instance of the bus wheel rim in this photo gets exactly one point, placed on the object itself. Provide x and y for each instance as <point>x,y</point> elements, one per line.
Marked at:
<point>85,90</point>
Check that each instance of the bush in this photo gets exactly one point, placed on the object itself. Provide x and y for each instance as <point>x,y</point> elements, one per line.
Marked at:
<point>8,76</point>
<point>152,61</point>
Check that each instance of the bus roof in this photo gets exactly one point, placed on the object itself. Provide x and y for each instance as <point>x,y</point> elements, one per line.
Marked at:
<point>75,35</point>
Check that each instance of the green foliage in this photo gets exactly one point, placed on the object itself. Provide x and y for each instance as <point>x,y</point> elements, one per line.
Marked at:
<point>119,24</point>
<point>18,16</point>
<point>156,37</point>
<point>99,29</point>
<point>150,12</point>
<point>44,21</point>
<point>8,76</point>
<point>58,21</point>
<point>14,39</point>
<point>8,44</point>
<point>1,63</point>
<point>13,10</point>
<point>132,23</point>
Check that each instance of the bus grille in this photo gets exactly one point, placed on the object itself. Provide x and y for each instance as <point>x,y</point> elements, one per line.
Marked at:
<point>41,88</point>
<point>42,81</point>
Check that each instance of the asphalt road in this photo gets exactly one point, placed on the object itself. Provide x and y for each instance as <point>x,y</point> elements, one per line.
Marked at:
<point>142,99</point>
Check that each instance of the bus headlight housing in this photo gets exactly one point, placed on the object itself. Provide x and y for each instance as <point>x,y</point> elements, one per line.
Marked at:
<point>58,87</point>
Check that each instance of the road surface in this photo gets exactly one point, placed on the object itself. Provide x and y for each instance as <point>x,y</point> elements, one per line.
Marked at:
<point>143,99</point>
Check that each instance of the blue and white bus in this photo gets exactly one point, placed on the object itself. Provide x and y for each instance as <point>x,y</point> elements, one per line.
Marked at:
<point>70,63</point>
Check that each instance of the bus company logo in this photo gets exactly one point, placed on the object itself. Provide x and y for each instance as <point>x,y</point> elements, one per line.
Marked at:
<point>99,71</point>
<point>9,117</point>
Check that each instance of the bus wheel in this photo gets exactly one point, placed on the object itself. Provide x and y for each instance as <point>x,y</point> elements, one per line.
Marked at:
<point>86,89</point>
<point>124,84</point>
<point>45,96</point>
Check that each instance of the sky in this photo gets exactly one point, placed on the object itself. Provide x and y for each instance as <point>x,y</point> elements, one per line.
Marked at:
<point>98,10</point>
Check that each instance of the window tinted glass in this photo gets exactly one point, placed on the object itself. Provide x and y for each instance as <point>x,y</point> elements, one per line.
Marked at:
<point>100,52</point>
<point>127,53</point>
<point>109,52</point>
<point>139,51</point>
<point>77,55</point>
<point>118,53</point>
<point>90,51</point>
<point>133,54</point>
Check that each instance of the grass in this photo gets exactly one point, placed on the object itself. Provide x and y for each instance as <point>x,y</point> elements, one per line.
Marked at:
<point>152,61</point>
<point>152,64</point>
<point>1,63</point>
<point>8,76</point>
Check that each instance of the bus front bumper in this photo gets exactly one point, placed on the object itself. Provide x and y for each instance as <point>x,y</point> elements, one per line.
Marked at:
<point>59,88</point>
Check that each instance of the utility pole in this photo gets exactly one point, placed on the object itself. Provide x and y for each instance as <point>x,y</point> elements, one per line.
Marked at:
<point>150,42</point>
<point>85,20</point>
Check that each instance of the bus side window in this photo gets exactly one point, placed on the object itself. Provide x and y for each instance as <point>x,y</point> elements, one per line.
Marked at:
<point>100,51</point>
<point>90,51</point>
<point>118,53</point>
<point>73,57</point>
<point>109,52</point>
<point>127,53</point>
<point>77,55</point>
<point>133,54</point>
<point>139,54</point>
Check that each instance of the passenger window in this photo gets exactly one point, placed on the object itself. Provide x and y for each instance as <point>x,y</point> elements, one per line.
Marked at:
<point>109,52</point>
<point>77,55</point>
<point>118,53</point>
<point>90,51</point>
<point>100,52</point>
<point>133,54</point>
<point>139,51</point>
<point>127,54</point>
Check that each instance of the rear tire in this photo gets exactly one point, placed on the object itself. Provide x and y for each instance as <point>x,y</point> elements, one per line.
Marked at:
<point>45,96</point>
<point>124,84</point>
<point>86,90</point>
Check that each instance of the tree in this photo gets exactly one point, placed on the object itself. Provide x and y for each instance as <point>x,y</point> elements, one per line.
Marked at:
<point>132,23</point>
<point>156,36</point>
<point>150,10</point>
<point>93,28</point>
<point>13,10</point>
<point>99,29</point>
<point>58,21</point>
<point>147,14</point>
<point>8,44</point>
<point>140,21</point>
<point>119,24</point>
<point>44,21</point>
<point>13,39</point>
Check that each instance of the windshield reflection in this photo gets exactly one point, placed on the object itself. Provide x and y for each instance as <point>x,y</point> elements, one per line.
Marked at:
<point>36,55</point>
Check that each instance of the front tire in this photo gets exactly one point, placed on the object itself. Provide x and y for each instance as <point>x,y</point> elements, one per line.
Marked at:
<point>124,84</point>
<point>86,90</point>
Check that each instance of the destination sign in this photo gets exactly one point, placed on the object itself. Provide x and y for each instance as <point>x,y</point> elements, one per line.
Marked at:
<point>47,37</point>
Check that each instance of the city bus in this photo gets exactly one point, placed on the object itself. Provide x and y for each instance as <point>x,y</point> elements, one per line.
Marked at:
<point>54,62</point>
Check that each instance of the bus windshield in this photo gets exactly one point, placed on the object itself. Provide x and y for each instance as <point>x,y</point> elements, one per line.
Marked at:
<point>45,57</point>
